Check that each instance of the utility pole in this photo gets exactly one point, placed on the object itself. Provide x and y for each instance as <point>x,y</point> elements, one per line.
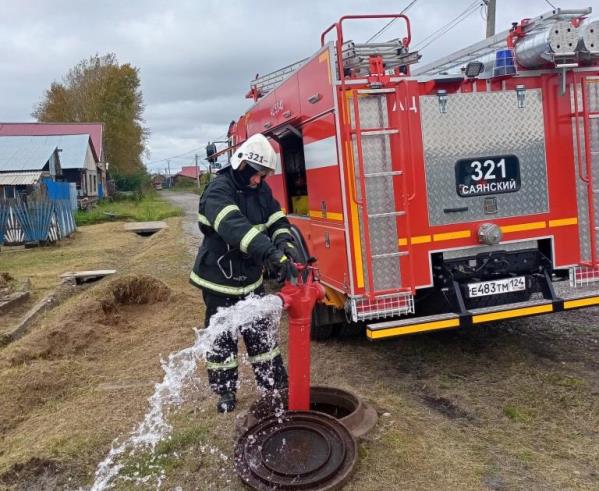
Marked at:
<point>168,163</point>
<point>491,4</point>
<point>197,172</point>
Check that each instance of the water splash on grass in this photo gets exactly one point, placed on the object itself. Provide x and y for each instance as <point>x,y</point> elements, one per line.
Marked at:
<point>179,370</point>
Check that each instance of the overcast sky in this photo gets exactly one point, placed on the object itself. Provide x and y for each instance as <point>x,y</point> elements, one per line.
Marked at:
<point>196,58</point>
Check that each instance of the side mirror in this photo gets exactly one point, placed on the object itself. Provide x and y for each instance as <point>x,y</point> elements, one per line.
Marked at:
<point>210,151</point>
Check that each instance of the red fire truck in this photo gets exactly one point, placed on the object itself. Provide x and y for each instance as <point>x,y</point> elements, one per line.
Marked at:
<point>455,194</point>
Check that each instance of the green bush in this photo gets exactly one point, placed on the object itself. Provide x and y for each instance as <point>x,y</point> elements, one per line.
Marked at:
<point>139,181</point>
<point>186,185</point>
<point>189,186</point>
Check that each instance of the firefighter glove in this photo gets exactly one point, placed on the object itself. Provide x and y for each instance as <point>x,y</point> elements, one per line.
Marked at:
<point>279,264</point>
<point>291,251</point>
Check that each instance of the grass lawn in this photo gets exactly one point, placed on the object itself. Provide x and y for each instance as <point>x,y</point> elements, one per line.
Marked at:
<point>147,209</point>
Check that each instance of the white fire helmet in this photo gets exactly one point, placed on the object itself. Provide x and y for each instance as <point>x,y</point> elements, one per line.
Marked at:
<point>257,152</point>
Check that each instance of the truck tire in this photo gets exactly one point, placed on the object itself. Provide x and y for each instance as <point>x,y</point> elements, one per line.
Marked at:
<point>318,331</point>
<point>348,330</point>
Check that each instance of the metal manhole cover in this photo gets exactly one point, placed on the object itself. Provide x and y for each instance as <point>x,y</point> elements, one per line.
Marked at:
<point>299,450</point>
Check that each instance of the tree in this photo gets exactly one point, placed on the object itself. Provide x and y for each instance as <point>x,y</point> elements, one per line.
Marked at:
<point>99,89</point>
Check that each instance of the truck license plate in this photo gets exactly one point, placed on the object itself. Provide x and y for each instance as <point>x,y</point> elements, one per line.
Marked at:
<point>495,287</point>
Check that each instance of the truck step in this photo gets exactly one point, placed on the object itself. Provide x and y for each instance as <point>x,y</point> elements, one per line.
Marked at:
<point>387,214</point>
<point>572,299</point>
<point>384,174</point>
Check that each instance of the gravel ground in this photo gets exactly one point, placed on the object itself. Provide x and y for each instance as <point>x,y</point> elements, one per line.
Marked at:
<point>188,202</point>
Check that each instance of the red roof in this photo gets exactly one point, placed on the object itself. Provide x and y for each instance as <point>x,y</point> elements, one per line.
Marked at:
<point>94,130</point>
<point>189,171</point>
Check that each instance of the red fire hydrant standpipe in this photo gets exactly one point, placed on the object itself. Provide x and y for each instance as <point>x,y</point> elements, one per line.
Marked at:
<point>299,449</point>
<point>299,300</point>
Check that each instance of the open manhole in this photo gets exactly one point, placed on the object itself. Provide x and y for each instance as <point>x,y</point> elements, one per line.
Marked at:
<point>355,414</point>
<point>145,229</point>
<point>296,450</point>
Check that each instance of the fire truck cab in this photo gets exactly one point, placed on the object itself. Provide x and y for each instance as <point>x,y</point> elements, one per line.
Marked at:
<point>451,195</point>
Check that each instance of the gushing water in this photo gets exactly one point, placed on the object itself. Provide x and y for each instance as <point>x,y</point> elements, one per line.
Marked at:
<point>179,369</point>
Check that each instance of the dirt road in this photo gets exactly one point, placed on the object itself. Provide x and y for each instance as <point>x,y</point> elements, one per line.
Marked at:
<point>188,202</point>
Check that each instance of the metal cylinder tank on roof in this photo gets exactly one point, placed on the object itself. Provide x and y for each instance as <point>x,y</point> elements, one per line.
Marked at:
<point>538,48</point>
<point>588,39</point>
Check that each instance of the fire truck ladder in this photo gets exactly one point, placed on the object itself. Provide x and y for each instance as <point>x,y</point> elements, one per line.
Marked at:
<point>586,112</point>
<point>355,57</point>
<point>376,187</point>
<point>453,62</point>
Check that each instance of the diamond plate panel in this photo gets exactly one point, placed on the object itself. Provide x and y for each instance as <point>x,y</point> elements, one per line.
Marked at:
<point>379,191</point>
<point>381,235</point>
<point>592,84</point>
<point>594,129</point>
<point>478,125</point>
<point>377,153</point>
<point>386,273</point>
<point>594,144</point>
<point>373,111</point>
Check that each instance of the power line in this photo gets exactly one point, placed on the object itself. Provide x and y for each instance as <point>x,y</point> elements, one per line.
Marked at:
<point>448,27</point>
<point>552,6</point>
<point>181,155</point>
<point>388,24</point>
<point>464,12</point>
<point>447,30</point>
<point>174,156</point>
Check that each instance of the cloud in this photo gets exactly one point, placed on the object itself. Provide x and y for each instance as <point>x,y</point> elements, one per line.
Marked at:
<point>196,58</point>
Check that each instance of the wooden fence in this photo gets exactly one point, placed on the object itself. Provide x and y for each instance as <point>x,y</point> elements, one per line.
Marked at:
<point>45,215</point>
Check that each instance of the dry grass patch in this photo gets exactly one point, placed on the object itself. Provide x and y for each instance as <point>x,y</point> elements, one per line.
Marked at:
<point>135,290</point>
<point>82,377</point>
<point>105,246</point>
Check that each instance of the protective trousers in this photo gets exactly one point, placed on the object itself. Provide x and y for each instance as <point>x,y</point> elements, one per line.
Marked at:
<point>263,351</point>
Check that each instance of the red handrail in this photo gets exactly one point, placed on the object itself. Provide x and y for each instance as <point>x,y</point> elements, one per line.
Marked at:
<point>338,24</point>
<point>339,27</point>
<point>577,128</point>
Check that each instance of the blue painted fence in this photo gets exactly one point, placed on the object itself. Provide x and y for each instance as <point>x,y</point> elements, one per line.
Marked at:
<point>42,216</point>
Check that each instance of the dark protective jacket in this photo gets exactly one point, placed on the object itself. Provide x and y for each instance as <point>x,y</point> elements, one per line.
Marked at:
<point>240,226</point>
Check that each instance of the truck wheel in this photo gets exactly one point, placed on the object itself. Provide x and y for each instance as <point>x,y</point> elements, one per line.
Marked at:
<point>321,327</point>
<point>321,333</point>
<point>348,330</point>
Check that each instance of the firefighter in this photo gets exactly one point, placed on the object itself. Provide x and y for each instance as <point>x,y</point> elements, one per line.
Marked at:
<point>244,230</point>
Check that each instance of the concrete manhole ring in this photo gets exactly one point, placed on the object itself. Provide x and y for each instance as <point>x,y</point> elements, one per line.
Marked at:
<point>354,413</point>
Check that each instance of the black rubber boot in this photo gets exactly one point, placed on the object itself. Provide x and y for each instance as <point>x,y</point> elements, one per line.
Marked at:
<point>226,403</point>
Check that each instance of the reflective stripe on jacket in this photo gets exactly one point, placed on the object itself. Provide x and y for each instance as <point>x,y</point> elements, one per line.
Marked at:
<point>239,226</point>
